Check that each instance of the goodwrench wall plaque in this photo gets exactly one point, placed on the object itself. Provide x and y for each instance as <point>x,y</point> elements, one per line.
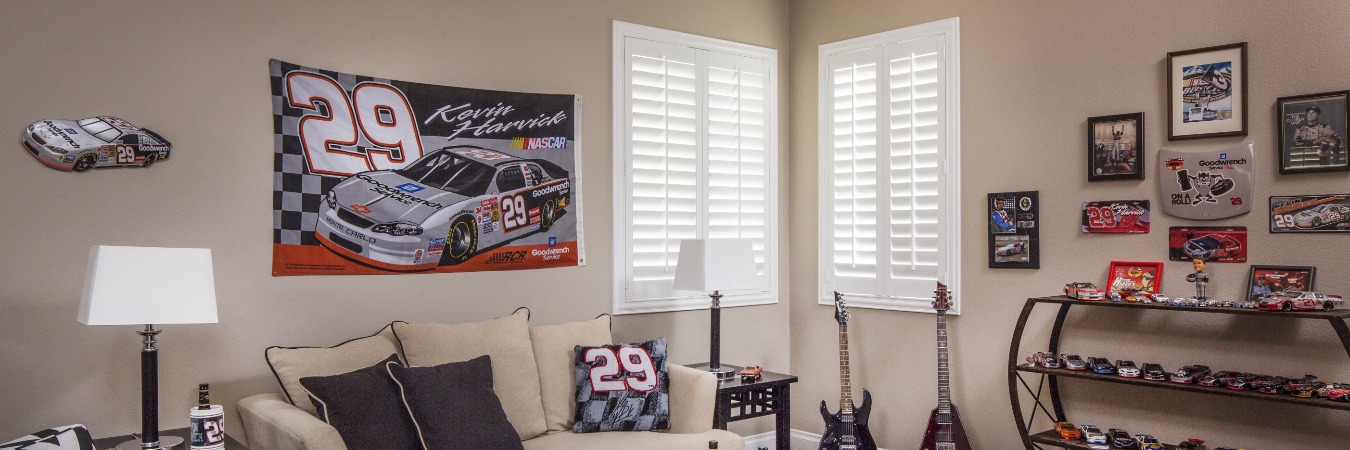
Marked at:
<point>1206,184</point>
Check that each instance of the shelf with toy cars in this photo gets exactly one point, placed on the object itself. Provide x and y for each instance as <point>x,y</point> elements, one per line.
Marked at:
<point>1051,437</point>
<point>1052,376</point>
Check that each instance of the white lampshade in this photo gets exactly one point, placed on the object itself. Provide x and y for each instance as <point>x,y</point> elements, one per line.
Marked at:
<point>708,265</point>
<point>148,285</point>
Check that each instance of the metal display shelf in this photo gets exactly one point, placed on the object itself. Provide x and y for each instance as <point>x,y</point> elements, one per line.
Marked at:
<point>1049,384</point>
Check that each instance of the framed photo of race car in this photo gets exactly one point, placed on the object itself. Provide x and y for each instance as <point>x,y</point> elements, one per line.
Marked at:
<point>1128,277</point>
<point>1265,280</point>
<point>1014,230</point>
<point>1310,213</point>
<point>1207,92</point>
<point>1209,244</point>
<point>1116,147</point>
<point>1312,132</point>
<point>1116,217</point>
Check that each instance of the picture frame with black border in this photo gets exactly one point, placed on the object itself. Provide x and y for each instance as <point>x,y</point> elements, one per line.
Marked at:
<point>1207,92</point>
<point>1312,132</point>
<point>1116,147</point>
<point>1014,230</point>
<point>1279,278</point>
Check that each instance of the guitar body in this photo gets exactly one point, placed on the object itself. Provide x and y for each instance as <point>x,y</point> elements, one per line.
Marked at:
<point>957,439</point>
<point>837,429</point>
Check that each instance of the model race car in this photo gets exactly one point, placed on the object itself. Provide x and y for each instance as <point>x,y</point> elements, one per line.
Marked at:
<point>1269,384</point>
<point>1299,301</point>
<point>1319,216</point>
<point>442,209</point>
<point>1211,246</point>
<point>1067,431</point>
<point>1094,436</point>
<point>1189,374</point>
<point>1101,365</point>
<point>1073,362</point>
<point>1148,442</point>
<point>1155,372</point>
<point>1338,395</point>
<point>1044,359</point>
<point>1127,369</point>
<point>1122,439</point>
<point>103,141</point>
<point>1083,291</point>
<point>1192,444</point>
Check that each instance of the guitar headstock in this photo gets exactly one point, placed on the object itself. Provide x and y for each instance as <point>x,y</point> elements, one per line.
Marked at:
<point>940,302</point>
<point>840,310</point>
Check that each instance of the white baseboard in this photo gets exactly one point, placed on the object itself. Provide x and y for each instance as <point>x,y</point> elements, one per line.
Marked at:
<point>800,440</point>
<point>767,440</point>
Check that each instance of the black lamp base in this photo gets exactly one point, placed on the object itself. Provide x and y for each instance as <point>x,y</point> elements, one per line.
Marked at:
<point>165,442</point>
<point>723,371</point>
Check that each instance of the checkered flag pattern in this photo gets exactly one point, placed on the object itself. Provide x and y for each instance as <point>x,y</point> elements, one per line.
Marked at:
<point>70,437</point>
<point>626,409</point>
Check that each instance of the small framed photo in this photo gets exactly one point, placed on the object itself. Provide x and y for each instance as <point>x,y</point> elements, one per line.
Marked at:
<point>1207,92</point>
<point>1116,147</point>
<point>1312,132</point>
<point>1129,276</point>
<point>1264,280</point>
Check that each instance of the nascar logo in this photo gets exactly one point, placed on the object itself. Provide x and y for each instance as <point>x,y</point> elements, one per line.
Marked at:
<point>537,143</point>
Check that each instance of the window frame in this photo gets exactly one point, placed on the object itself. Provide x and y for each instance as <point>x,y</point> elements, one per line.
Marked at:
<point>949,30</point>
<point>623,208</point>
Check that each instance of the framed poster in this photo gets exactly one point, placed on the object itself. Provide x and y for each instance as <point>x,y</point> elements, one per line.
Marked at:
<point>1264,280</point>
<point>1312,132</point>
<point>1125,277</point>
<point>1116,217</point>
<point>1309,213</point>
<point>1207,92</point>
<point>1014,236</point>
<point>1116,147</point>
<point>1209,244</point>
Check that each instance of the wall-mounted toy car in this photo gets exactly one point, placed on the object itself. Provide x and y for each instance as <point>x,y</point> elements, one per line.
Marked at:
<point>1015,248</point>
<point>1101,365</point>
<point>1192,444</point>
<point>103,141</point>
<point>1121,439</point>
<point>442,209</point>
<point>1154,371</point>
<point>1093,436</point>
<point>1326,214</point>
<point>1299,301</point>
<point>1044,359</point>
<point>1189,374</point>
<point>1083,291</point>
<point>1067,431</point>
<point>1127,369</point>
<point>1073,362</point>
<point>1211,246</point>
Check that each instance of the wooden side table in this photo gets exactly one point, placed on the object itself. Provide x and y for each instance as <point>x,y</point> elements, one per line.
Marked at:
<point>111,442</point>
<point>771,394</point>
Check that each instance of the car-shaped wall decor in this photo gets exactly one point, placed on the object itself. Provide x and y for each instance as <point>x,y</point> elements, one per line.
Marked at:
<point>102,141</point>
<point>1083,291</point>
<point>442,209</point>
<point>1299,301</point>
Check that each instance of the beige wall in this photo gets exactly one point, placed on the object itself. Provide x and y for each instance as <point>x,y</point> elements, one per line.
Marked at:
<point>1032,72</point>
<point>197,73</point>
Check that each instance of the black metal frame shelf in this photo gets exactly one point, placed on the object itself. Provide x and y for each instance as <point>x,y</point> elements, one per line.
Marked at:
<point>1048,386</point>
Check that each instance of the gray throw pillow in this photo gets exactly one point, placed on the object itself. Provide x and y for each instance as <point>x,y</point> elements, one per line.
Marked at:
<point>622,388</point>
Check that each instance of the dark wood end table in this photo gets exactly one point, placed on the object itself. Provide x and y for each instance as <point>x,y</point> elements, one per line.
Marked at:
<point>111,442</point>
<point>770,394</point>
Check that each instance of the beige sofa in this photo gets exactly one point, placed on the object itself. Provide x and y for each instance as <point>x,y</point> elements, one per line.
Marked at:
<point>533,378</point>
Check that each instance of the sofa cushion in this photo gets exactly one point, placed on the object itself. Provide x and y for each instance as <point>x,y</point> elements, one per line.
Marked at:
<point>69,437</point>
<point>366,408</point>
<point>554,352</point>
<point>622,387</point>
<point>453,406</point>
<point>506,340</point>
<point>290,364</point>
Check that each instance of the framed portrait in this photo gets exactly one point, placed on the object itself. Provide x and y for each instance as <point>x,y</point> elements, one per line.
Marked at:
<point>1014,230</point>
<point>1263,280</point>
<point>1129,276</point>
<point>1207,92</point>
<point>1116,147</point>
<point>1312,132</point>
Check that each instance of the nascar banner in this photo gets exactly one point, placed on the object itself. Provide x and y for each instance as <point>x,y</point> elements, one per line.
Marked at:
<point>377,176</point>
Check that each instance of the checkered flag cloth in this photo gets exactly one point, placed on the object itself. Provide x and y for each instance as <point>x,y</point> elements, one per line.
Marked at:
<point>70,437</point>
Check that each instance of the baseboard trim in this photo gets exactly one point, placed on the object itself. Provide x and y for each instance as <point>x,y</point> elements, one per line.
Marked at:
<point>767,440</point>
<point>798,438</point>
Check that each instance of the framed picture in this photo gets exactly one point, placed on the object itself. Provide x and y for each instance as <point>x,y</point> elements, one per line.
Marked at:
<point>1310,213</point>
<point>1263,280</point>
<point>1014,230</point>
<point>1129,276</point>
<point>1116,147</point>
<point>1207,92</point>
<point>1312,132</point>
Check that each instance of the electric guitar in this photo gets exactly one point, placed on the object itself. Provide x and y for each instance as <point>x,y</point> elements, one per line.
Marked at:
<point>847,429</point>
<point>944,426</point>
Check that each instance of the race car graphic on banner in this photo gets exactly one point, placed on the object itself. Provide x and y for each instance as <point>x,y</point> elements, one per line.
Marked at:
<point>1210,244</point>
<point>1309,213</point>
<point>377,176</point>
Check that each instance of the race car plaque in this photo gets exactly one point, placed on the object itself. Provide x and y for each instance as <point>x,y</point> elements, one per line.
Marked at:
<point>1310,213</point>
<point>1206,185</point>
<point>1210,244</point>
<point>1014,230</point>
<point>1116,216</point>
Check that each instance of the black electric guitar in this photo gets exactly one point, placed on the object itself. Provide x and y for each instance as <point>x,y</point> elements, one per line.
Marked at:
<point>847,429</point>
<point>944,427</point>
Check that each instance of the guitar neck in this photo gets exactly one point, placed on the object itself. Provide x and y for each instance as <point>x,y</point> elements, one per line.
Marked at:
<point>845,385</point>
<point>944,375</point>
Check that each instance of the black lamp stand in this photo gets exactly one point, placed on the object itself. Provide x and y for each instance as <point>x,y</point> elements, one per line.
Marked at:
<point>715,353</point>
<point>150,439</point>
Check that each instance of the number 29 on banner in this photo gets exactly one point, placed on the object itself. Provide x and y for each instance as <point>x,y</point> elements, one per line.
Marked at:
<point>329,130</point>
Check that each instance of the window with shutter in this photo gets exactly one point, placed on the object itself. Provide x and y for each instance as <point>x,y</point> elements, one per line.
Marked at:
<point>695,157</point>
<point>889,179</point>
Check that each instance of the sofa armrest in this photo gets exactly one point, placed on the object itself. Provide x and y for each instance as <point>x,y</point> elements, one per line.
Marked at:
<point>272,423</point>
<point>693,397</point>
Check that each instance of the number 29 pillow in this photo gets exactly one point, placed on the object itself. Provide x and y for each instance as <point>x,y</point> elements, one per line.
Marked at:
<point>622,387</point>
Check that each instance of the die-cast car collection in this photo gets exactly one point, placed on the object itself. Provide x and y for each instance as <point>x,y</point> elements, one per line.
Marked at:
<point>1275,301</point>
<point>103,141</point>
<point>1116,438</point>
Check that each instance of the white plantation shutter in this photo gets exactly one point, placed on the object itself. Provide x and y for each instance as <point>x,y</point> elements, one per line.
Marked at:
<point>889,142</point>
<point>694,159</point>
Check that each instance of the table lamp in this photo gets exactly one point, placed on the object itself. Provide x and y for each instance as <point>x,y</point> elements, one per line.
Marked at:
<point>715,265</point>
<point>147,286</point>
